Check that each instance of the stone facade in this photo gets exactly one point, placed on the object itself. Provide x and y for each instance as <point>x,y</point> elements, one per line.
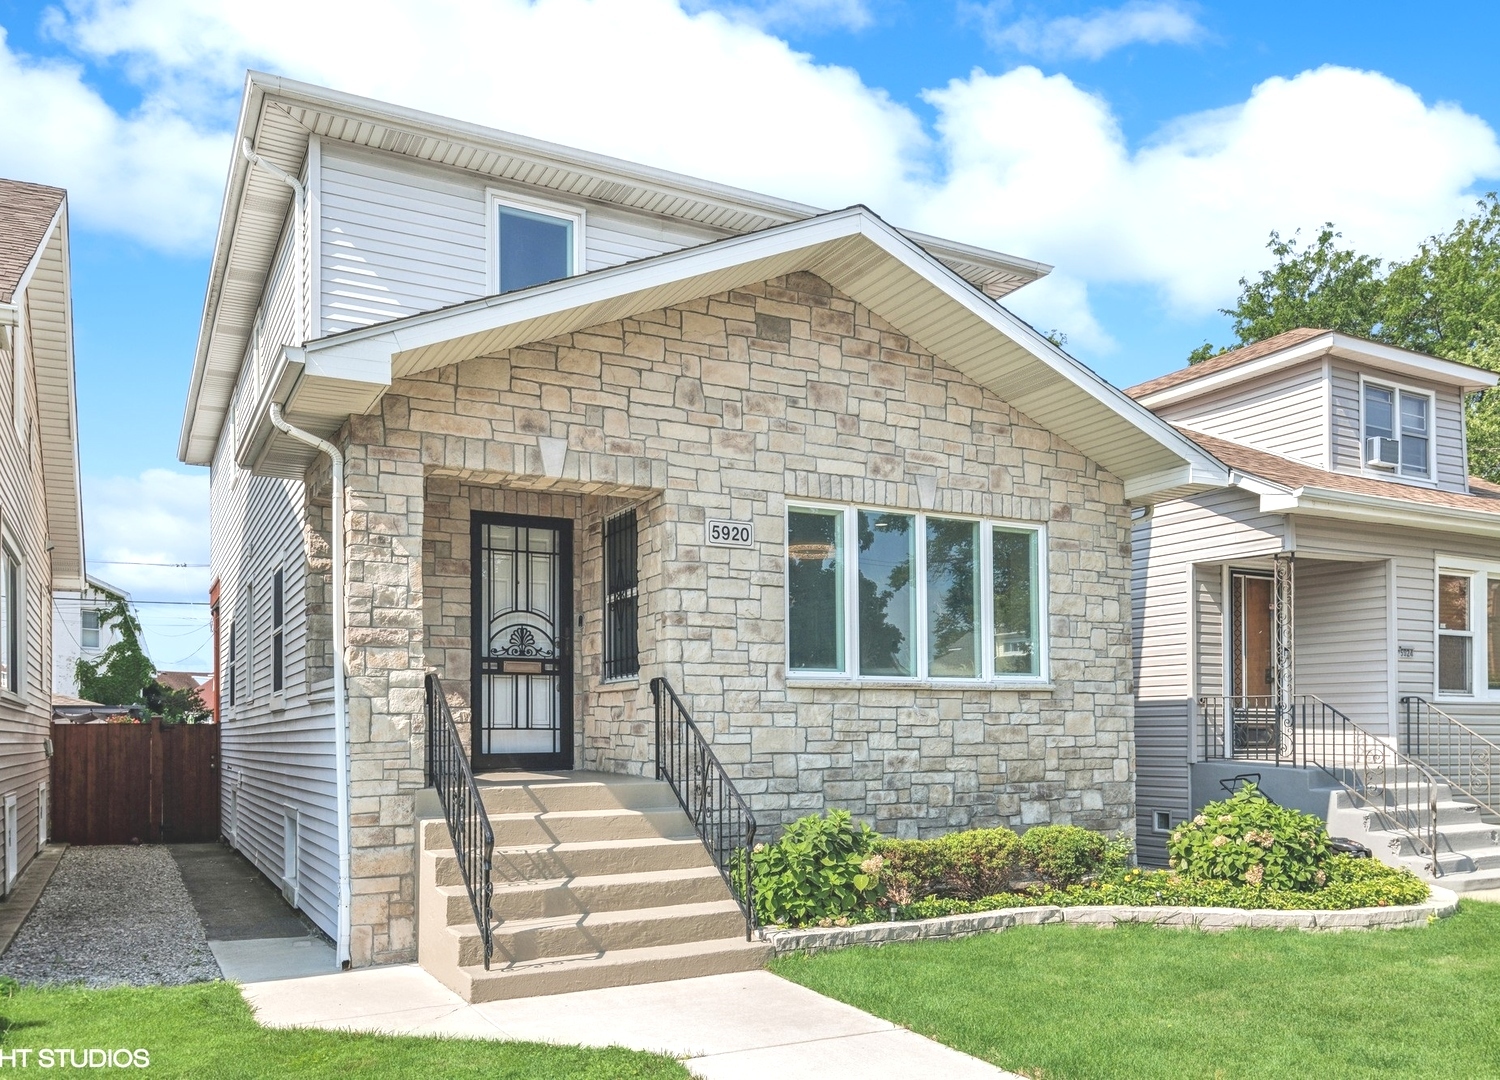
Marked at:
<point>729,407</point>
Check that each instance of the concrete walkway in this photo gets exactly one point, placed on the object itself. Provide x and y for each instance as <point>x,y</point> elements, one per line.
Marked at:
<point>744,1026</point>
<point>253,933</point>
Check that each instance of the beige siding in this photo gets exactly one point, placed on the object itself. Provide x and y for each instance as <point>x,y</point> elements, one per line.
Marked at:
<point>1168,548</point>
<point>1451,472</point>
<point>277,750</point>
<point>1343,648</point>
<point>25,718</point>
<point>1283,414</point>
<point>399,238</point>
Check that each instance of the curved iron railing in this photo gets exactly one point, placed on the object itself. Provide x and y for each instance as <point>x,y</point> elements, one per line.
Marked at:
<point>1461,757</point>
<point>705,792</point>
<point>449,773</point>
<point>1308,732</point>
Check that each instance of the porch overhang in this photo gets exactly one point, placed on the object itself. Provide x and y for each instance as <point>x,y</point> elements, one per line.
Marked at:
<point>320,386</point>
<point>1374,510</point>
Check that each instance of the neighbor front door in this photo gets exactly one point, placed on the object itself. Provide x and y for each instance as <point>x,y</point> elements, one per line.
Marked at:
<point>523,642</point>
<point>1252,664</point>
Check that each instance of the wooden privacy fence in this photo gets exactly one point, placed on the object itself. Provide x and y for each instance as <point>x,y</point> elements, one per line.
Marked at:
<point>135,783</point>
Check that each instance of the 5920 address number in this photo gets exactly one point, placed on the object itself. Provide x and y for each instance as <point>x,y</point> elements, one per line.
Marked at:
<point>730,534</point>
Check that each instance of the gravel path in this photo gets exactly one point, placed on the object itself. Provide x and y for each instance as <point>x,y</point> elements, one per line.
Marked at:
<point>112,915</point>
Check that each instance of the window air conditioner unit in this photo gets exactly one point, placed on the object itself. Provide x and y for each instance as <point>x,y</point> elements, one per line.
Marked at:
<point>1382,453</point>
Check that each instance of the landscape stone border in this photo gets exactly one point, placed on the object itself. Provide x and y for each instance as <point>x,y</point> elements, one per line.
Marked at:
<point>1440,904</point>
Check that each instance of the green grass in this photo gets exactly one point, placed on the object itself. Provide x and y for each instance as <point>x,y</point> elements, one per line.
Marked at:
<point>1076,1002</point>
<point>207,1030</point>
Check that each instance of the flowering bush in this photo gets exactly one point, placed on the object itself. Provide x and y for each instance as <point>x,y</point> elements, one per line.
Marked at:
<point>819,872</point>
<point>1249,840</point>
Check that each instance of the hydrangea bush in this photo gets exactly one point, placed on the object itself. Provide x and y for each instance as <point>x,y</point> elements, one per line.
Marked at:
<point>1249,840</point>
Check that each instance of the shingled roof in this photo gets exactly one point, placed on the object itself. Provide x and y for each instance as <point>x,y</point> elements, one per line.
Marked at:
<point>26,210</point>
<point>1483,496</point>
<point>1233,358</point>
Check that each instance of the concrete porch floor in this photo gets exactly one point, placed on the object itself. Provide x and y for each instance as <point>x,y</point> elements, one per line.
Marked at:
<point>724,1027</point>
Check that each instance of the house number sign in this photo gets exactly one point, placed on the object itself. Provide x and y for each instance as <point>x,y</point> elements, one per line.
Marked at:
<point>730,534</point>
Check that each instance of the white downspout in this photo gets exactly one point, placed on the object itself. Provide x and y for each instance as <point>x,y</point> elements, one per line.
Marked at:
<point>340,708</point>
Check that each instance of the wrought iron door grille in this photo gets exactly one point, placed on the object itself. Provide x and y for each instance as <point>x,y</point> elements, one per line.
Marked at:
<point>621,597</point>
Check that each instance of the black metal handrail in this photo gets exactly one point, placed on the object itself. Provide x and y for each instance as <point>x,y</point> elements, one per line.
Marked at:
<point>707,794</point>
<point>449,773</point>
<point>1308,732</point>
<point>1462,758</point>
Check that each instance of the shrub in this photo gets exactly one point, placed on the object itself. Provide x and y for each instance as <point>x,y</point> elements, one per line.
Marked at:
<point>1063,855</point>
<point>1247,839</point>
<point>965,865</point>
<point>819,871</point>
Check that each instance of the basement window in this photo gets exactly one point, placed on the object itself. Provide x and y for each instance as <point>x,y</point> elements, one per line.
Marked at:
<point>1161,821</point>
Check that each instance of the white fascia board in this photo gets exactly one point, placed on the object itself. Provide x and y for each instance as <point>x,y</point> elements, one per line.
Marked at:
<point>1386,358</point>
<point>1351,506</point>
<point>10,314</point>
<point>389,340</point>
<point>1256,486</point>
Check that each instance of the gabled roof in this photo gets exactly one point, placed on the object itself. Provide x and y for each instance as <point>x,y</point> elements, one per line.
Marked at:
<point>279,115</point>
<point>1308,489</point>
<point>1294,347</point>
<point>26,216</point>
<point>34,266</point>
<point>853,250</point>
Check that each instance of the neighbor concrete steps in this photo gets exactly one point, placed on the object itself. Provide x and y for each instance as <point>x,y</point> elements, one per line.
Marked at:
<point>1468,848</point>
<point>599,880</point>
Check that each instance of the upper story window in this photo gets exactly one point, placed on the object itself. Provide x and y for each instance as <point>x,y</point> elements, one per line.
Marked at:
<point>873,594</point>
<point>90,628</point>
<point>533,243</point>
<point>1398,430</point>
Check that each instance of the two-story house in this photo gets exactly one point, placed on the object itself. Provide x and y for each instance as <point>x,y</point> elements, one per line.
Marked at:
<point>79,630</point>
<point>1329,623</point>
<point>522,455</point>
<point>41,524</point>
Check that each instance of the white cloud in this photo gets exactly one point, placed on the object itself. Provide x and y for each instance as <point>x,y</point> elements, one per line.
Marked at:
<point>1020,161</point>
<point>1096,35</point>
<point>1039,166</point>
<point>794,14</point>
<point>158,517</point>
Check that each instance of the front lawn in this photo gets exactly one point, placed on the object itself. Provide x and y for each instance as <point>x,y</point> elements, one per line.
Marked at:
<point>207,1030</point>
<point>1077,1002</point>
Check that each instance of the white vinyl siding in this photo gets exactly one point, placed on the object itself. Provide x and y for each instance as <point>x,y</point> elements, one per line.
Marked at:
<point>1450,469</point>
<point>273,758</point>
<point>1342,643</point>
<point>1283,414</point>
<point>398,237</point>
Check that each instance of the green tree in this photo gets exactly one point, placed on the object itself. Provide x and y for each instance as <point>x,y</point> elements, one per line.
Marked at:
<point>120,676</point>
<point>1444,301</point>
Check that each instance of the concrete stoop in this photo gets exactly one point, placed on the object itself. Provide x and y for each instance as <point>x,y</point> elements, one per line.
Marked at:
<point>599,880</point>
<point>1468,857</point>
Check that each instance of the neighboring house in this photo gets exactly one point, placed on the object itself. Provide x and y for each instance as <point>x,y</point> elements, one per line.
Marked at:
<point>1336,607</point>
<point>41,526</point>
<point>79,631</point>
<point>184,680</point>
<point>871,527</point>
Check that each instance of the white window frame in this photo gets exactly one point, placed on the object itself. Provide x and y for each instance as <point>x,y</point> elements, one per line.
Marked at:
<point>496,198</point>
<point>1430,480</point>
<point>245,644</point>
<point>987,678</point>
<point>12,682</point>
<point>1480,573</point>
<point>43,812</point>
<point>12,842</point>
<point>277,662</point>
<point>84,630</point>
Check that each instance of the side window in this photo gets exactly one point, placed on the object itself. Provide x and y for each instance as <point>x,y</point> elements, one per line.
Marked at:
<point>278,607</point>
<point>89,637</point>
<point>232,669</point>
<point>10,621</point>
<point>533,243</point>
<point>621,594</point>
<point>1455,633</point>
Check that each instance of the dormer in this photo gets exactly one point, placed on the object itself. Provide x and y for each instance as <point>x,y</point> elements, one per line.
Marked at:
<point>1333,401</point>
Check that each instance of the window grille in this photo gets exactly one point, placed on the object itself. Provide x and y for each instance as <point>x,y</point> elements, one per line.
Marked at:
<point>621,596</point>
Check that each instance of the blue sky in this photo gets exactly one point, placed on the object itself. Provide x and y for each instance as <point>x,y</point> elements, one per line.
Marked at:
<point>1145,148</point>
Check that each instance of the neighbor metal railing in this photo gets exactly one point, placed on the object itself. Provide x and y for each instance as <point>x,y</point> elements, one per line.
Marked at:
<point>1457,754</point>
<point>1308,732</point>
<point>707,794</point>
<point>449,773</point>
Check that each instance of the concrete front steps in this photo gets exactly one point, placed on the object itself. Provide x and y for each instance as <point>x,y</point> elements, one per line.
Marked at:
<point>1468,856</point>
<point>599,880</point>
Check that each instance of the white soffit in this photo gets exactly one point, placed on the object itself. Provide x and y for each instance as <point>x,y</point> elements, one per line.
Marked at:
<point>852,249</point>
<point>279,115</point>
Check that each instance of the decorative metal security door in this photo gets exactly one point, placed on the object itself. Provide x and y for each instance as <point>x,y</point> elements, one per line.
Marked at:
<point>523,642</point>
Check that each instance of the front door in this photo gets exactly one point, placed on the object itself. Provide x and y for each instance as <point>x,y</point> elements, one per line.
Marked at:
<point>1252,666</point>
<point>523,642</point>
